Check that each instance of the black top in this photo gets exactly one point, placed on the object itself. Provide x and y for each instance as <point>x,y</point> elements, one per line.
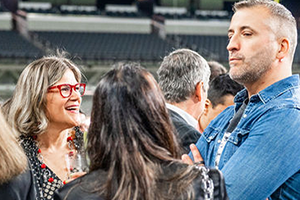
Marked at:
<point>42,175</point>
<point>84,187</point>
<point>46,181</point>
<point>186,133</point>
<point>21,187</point>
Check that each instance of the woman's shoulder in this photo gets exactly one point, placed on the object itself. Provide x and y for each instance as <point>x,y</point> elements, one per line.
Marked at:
<point>175,180</point>
<point>20,187</point>
<point>83,187</point>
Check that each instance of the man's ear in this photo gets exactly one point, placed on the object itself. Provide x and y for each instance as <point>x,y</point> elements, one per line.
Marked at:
<point>207,106</point>
<point>283,49</point>
<point>198,90</point>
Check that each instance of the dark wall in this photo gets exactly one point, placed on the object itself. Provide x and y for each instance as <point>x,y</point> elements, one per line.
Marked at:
<point>293,6</point>
<point>101,3</point>
<point>11,5</point>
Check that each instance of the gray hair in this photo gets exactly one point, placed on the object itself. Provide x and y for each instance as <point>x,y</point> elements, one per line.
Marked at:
<point>26,110</point>
<point>179,74</point>
<point>286,25</point>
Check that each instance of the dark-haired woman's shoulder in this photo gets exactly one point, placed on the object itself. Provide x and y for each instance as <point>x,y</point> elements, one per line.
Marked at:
<point>82,187</point>
<point>20,187</point>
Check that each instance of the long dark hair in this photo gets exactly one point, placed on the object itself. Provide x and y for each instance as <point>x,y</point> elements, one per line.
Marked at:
<point>130,132</point>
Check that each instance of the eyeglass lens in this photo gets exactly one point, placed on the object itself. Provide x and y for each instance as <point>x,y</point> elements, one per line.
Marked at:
<point>66,90</point>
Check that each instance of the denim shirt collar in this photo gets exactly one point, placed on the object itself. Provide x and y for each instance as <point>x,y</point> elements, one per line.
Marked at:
<point>270,92</point>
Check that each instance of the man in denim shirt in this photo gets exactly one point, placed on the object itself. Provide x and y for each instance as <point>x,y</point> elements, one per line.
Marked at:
<point>256,142</point>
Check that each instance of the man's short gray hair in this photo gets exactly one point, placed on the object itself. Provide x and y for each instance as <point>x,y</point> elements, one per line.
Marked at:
<point>179,74</point>
<point>286,25</point>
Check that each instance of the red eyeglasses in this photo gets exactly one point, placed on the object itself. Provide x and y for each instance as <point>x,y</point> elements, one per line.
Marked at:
<point>65,90</point>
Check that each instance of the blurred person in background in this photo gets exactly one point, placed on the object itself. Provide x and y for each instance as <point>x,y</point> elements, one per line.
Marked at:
<point>216,69</point>
<point>220,95</point>
<point>16,180</point>
<point>84,122</point>
<point>44,107</point>
<point>133,150</point>
<point>183,77</point>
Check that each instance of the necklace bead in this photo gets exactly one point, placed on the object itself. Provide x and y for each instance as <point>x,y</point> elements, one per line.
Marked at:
<point>50,180</point>
<point>69,138</point>
<point>71,153</point>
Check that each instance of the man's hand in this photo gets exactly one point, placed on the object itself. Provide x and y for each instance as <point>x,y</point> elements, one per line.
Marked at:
<point>198,160</point>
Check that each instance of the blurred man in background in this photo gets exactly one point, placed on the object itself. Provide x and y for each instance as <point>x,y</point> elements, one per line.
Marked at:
<point>220,95</point>
<point>183,77</point>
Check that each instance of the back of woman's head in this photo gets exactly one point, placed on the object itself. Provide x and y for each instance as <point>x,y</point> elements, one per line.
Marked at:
<point>26,110</point>
<point>130,131</point>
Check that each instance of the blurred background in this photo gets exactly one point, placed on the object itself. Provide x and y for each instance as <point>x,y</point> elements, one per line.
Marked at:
<point>97,33</point>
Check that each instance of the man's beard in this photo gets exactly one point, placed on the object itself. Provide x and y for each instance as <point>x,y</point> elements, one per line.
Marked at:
<point>252,68</point>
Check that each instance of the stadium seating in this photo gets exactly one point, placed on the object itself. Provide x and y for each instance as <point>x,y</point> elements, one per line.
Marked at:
<point>14,45</point>
<point>107,46</point>
<point>115,46</point>
<point>211,47</point>
<point>120,11</point>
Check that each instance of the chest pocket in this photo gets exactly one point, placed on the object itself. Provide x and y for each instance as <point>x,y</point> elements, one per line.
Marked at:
<point>211,133</point>
<point>238,136</point>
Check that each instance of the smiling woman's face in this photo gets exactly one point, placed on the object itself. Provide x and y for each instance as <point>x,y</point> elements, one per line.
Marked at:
<point>62,112</point>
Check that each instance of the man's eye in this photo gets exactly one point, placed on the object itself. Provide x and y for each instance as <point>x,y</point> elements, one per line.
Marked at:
<point>247,34</point>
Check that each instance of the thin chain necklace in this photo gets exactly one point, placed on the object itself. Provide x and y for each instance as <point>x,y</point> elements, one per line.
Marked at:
<point>43,166</point>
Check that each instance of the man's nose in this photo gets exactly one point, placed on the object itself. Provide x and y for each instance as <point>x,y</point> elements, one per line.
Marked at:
<point>233,44</point>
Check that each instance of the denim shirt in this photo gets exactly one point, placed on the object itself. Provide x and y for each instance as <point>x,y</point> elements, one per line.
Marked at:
<point>262,156</point>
